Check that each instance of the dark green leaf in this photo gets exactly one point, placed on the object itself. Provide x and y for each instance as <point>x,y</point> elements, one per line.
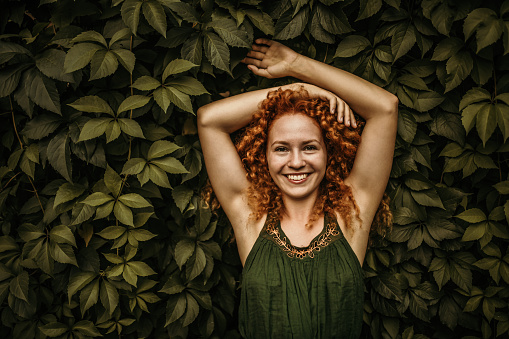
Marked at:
<point>79,56</point>
<point>154,13</point>
<point>216,51</point>
<point>59,155</point>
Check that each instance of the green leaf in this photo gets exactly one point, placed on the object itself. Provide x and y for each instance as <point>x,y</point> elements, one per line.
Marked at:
<point>502,112</point>
<point>140,268</point>
<point>92,104</point>
<point>42,90</point>
<point>177,66</point>
<point>182,196</point>
<point>154,13</point>
<point>162,98</point>
<point>59,155</point>
<point>192,49</point>
<point>458,67</point>
<point>428,100</point>
<point>54,329</point>
<point>63,253</point>
<point>261,20</point>
<point>9,79</point>
<point>473,215</point>
<point>446,48</point>
<point>170,165</point>
<point>183,251</point>
<point>187,85</point>
<point>134,200</point>
<point>407,126</point>
<point>133,102</point>
<point>368,8</point>
<point>126,58</point>
<point>63,235</point>
<point>474,95</point>
<point>131,14</point>
<point>403,39</point>
<point>181,100</point>
<point>486,122</point>
<point>109,296</point>
<point>19,286</point>
<point>112,131</point>
<point>227,29</point>
<point>161,148</point>
<point>68,192</point>
<point>42,126</point>
<point>112,232</point>
<point>131,127</point>
<point>87,328</point>
<point>158,176</point>
<point>487,24</point>
<point>289,26</point>
<point>79,56</point>
<point>175,308</point>
<point>184,10</point>
<point>94,128</point>
<point>90,36</point>
<point>146,83</point>
<point>192,310</point>
<point>51,64</point>
<point>79,280</point>
<point>134,166</point>
<point>196,263</point>
<point>89,296</point>
<point>193,163</point>
<point>123,213</point>
<point>502,187</point>
<point>103,64</point>
<point>217,52</point>
<point>8,50</point>
<point>97,199</point>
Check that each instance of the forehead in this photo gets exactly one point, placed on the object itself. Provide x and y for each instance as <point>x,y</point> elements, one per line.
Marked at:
<point>294,127</point>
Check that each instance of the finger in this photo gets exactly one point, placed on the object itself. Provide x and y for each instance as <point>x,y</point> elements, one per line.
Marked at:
<point>352,117</point>
<point>260,48</point>
<point>255,55</point>
<point>341,110</point>
<point>263,41</point>
<point>251,61</point>
<point>333,105</point>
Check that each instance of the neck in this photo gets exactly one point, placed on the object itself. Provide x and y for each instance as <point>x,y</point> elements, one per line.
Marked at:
<point>299,210</point>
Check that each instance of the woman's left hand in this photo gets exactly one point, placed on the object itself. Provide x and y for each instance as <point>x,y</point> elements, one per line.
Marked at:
<point>336,104</point>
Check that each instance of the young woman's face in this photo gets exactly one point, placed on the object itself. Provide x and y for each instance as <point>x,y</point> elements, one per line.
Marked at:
<point>296,156</point>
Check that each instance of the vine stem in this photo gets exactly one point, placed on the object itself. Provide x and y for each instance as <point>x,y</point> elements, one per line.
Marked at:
<point>14,123</point>
<point>130,117</point>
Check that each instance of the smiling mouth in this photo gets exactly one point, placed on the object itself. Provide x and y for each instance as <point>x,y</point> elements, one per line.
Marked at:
<point>297,177</point>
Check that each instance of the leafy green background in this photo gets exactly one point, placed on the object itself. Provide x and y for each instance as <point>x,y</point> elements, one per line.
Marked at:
<point>102,228</point>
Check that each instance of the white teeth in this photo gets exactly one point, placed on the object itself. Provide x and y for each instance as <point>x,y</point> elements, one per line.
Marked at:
<point>297,177</point>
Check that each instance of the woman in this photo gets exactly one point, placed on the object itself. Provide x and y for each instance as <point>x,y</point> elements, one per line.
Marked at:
<point>301,249</point>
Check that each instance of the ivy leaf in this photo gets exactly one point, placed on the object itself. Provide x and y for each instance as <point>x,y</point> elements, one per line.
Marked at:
<point>161,148</point>
<point>19,286</point>
<point>407,126</point>
<point>227,29</point>
<point>131,14</point>
<point>123,213</point>
<point>90,36</point>
<point>51,64</point>
<point>109,296</point>
<point>79,56</point>
<point>193,163</point>
<point>162,98</point>
<point>103,64</point>
<point>62,235</point>
<point>154,13</point>
<point>175,308</point>
<point>403,39</point>
<point>130,127</point>
<point>486,122</point>
<point>54,329</point>
<point>177,66</point>
<point>368,8</point>
<point>289,26</point>
<point>42,125</point>
<point>188,85</point>
<point>217,51</point>
<point>458,67</point>
<point>261,20</point>
<point>134,166</point>
<point>473,215</point>
<point>182,196</point>
<point>184,10</point>
<point>158,176</point>
<point>192,310</point>
<point>146,83</point>
<point>8,50</point>
<point>89,296</point>
<point>487,24</point>
<point>112,181</point>
<point>97,199</point>
<point>133,102</point>
<point>42,90</point>
<point>59,155</point>
<point>92,104</point>
<point>77,281</point>
<point>170,165</point>
<point>126,58</point>
<point>181,100</point>
<point>192,49</point>
<point>351,46</point>
<point>134,200</point>
<point>94,128</point>
<point>9,79</point>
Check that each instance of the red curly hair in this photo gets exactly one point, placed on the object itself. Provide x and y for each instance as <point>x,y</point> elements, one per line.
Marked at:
<point>341,144</point>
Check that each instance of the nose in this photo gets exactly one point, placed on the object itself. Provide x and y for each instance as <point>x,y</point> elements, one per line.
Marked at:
<point>296,160</point>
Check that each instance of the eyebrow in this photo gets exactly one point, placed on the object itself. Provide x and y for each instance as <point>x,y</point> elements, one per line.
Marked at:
<point>282,142</point>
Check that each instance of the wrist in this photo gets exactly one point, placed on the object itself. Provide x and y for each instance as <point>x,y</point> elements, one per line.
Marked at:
<point>301,68</point>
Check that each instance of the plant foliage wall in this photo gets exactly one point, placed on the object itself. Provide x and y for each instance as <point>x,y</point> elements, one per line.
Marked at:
<point>102,228</point>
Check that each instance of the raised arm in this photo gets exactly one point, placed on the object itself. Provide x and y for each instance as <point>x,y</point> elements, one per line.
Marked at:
<point>378,107</point>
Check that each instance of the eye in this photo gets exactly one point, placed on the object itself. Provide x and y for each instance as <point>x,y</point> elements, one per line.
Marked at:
<point>310,148</point>
<point>281,149</point>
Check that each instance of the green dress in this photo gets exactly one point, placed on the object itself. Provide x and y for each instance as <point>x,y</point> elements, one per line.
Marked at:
<point>301,292</point>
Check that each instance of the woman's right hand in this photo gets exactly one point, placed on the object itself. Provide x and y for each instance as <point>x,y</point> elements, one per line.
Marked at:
<point>270,59</point>
<point>336,104</point>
